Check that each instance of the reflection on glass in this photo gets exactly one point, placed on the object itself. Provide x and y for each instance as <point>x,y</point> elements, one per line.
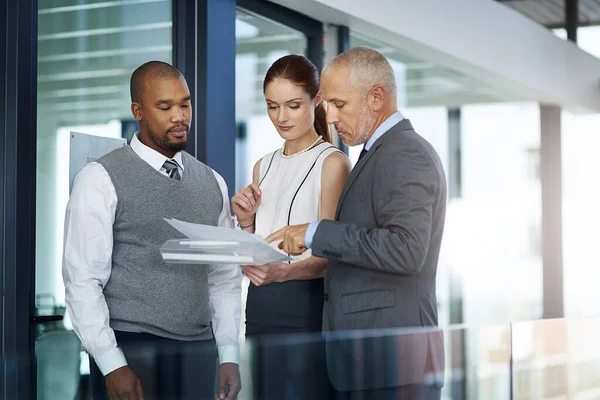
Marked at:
<point>87,52</point>
<point>481,372</point>
<point>556,359</point>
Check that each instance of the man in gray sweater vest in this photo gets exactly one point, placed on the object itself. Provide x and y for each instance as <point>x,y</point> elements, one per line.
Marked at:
<point>154,330</point>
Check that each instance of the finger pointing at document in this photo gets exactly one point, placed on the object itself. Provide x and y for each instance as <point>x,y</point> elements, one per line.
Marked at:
<point>293,239</point>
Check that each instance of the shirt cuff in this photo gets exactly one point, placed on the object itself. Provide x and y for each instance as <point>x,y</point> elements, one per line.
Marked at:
<point>110,360</point>
<point>310,234</point>
<point>229,353</point>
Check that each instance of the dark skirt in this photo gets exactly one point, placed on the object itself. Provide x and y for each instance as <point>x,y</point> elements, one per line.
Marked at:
<point>283,325</point>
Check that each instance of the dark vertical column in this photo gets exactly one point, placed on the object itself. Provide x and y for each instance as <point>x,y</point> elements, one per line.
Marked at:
<point>204,50</point>
<point>551,177</point>
<point>18,53</point>
<point>3,43</point>
<point>454,153</point>
<point>215,98</point>
<point>343,44</point>
<point>343,38</point>
<point>184,55</point>
<point>315,50</point>
<point>458,338</point>
<point>572,19</point>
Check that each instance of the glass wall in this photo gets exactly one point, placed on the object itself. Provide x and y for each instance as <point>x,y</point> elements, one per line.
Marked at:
<point>581,196</point>
<point>496,244</point>
<point>259,42</point>
<point>87,52</point>
<point>556,358</point>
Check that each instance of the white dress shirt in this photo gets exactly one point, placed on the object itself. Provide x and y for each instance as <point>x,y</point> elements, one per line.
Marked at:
<point>385,126</point>
<point>87,265</point>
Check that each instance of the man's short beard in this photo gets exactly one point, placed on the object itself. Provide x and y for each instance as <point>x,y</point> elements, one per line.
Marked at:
<point>164,143</point>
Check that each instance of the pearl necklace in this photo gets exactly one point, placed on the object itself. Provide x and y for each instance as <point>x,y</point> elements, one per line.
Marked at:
<point>301,151</point>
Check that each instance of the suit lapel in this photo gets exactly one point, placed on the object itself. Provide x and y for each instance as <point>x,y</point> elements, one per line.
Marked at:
<point>400,126</point>
<point>352,177</point>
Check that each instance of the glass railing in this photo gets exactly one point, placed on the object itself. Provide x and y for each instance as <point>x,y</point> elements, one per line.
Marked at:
<point>545,359</point>
<point>555,359</point>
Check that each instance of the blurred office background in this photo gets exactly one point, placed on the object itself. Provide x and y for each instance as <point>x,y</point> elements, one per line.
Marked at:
<point>519,154</point>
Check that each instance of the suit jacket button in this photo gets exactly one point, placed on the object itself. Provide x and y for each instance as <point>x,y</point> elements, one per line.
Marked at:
<point>326,297</point>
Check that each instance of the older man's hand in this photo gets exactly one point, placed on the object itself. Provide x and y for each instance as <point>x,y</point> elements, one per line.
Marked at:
<point>293,239</point>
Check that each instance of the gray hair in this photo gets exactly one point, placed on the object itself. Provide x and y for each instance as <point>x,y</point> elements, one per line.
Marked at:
<point>368,68</point>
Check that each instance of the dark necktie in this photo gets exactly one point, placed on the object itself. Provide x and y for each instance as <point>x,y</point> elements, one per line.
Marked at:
<point>363,152</point>
<point>171,167</point>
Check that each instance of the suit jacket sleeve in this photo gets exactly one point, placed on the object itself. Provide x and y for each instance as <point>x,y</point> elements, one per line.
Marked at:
<point>405,186</point>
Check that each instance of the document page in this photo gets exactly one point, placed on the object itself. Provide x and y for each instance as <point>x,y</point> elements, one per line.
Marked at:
<point>207,244</point>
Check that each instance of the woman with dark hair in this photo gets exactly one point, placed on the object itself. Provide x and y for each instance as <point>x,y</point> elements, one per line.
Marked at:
<point>299,183</point>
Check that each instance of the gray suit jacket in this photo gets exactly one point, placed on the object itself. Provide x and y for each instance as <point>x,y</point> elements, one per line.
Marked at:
<point>383,253</point>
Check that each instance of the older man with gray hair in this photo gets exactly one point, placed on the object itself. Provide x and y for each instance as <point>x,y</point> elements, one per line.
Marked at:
<point>384,243</point>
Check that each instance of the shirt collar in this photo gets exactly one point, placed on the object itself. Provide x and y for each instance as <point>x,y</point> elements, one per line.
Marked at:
<point>390,122</point>
<point>151,156</point>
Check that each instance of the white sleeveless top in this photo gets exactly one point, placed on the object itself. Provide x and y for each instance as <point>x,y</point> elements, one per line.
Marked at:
<point>291,190</point>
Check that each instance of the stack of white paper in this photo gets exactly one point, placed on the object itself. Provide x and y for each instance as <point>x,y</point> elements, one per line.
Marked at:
<point>207,244</point>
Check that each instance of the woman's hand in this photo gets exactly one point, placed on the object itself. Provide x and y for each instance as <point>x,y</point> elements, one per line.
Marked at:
<point>245,204</point>
<point>261,275</point>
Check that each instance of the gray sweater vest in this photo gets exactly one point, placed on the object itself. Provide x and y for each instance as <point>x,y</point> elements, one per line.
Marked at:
<point>144,294</point>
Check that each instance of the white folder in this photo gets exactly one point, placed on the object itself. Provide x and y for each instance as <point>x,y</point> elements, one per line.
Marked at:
<point>207,244</point>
